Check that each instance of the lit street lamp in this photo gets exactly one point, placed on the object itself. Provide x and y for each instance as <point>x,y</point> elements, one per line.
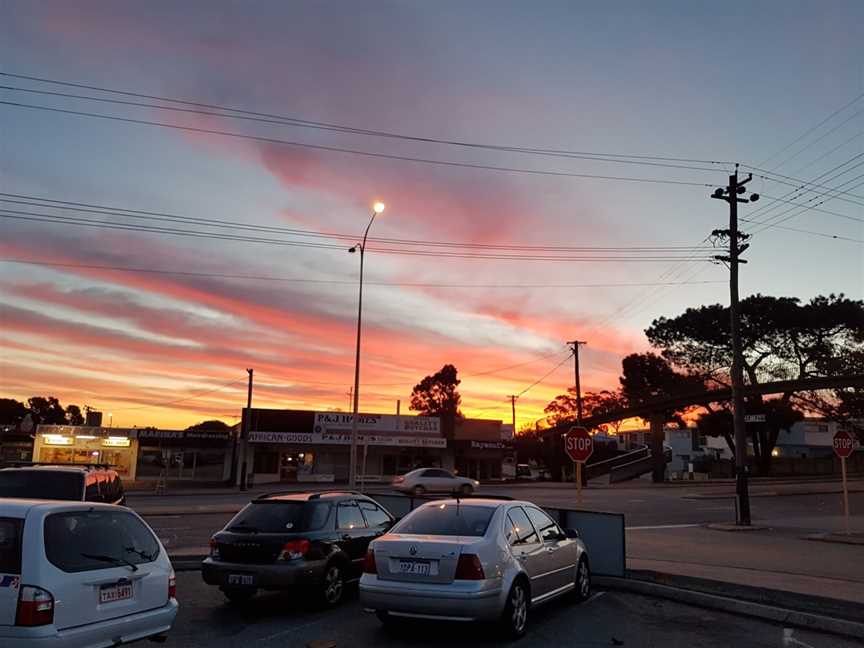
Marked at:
<point>377,208</point>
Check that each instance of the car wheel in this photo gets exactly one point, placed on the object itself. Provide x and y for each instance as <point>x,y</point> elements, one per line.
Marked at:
<point>583,580</point>
<point>333,585</point>
<point>418,491</point>
<point>239,594</point>
<point>466,490</point>
<point>514,620</point>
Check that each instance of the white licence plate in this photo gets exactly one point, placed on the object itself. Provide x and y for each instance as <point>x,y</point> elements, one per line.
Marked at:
<point>241,579</point>
<point>112,593</point>
<point>415,567</point>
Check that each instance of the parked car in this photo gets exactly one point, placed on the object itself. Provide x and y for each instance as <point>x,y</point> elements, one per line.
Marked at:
<point>279,541</point>
<point>76,482</point>
<point>475,560</point>
<point>74,574</point>
<point>434,480</point>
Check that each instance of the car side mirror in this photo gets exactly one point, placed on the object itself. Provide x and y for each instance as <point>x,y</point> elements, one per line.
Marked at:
<point>571,533</point>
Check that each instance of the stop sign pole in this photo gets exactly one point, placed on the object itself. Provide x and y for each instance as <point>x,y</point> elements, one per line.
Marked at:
<point>843,446</point>
<point>579,446</point>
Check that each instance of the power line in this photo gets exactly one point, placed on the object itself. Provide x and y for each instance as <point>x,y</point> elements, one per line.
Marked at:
<point>341,282</point>
<point>802,231</point>
<point>37,201</point>
<point>187,398</point>
<point>337,149</point>
<point>82,222</point>
<point>294,121</point>
<point>810,130</point>
<point>545,376</point>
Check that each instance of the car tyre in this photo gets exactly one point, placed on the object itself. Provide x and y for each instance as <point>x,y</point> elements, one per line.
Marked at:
<point>466,490</point>
<point>239,595</point>
<point>514,619</point>
<point>332,585</point>
<point>583,580</point>
<point>418,491</point>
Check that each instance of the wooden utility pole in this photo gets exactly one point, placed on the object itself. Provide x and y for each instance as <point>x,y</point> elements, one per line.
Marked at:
<point>244,440</point>
<point>730,195</point>
<point>574,344</point>
<point>513,398</point>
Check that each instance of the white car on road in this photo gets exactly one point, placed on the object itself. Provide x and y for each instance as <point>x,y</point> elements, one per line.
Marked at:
<point>78,575</point>
<point>473,560</point>
<point>434,480</point>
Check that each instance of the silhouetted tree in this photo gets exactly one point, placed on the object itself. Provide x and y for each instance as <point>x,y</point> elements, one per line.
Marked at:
<point>73,415</point>
<point>11,411</point>
<point>647,377</point>
<point>212,425</point>
<point>782,339</point>
<point>438,395</point>
<point>46,410</point>
<point>563,408</point>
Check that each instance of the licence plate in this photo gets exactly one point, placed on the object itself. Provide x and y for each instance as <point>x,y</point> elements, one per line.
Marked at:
<point>241,579</point>
<point>415,567</point>
<point>112,593</point>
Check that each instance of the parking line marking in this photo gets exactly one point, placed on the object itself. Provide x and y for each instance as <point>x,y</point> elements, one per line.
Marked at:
<point>662,526</point>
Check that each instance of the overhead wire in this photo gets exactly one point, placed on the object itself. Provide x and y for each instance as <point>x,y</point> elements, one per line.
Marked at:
<point>295,121</point>
<point>352,151</point>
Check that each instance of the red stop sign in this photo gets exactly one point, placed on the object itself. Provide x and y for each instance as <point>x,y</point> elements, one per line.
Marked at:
<point>843,444</point>
<point>578,444</point>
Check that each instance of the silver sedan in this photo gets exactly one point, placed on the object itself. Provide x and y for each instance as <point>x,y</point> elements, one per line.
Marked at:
<point>473,560</point>
<point>434,480</point>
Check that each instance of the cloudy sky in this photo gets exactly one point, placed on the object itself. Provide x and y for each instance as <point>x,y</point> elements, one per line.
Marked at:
<point>158,327</point>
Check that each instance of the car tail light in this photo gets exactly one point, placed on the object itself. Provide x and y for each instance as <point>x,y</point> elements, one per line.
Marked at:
<point>172,585</point>
<point>214,548</point>
<point>294,549</point>
<point>469,568</point>
<point>369,566</point>
<point>35,607</point>
<point>398,480</point>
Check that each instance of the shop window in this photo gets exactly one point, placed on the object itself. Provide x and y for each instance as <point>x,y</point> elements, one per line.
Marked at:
<point>266,463</point>
<point>388,465</point>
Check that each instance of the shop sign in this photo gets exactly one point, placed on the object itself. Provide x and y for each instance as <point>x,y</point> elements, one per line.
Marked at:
<point>116,442</point>
<point>206,434</point>
<point>380,423</point>
<point>57,440</point>
<point>160,434</point>
<point>302,438</point>
<point>487,445</point>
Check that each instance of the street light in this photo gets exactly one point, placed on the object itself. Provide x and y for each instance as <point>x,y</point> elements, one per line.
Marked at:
<point>377,208</point>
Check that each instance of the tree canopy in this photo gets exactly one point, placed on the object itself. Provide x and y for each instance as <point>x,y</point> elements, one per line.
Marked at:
<point>782,339</point>
<point>211,425</point>
<point>438,395</point>
<point>563,409</point>
<point>45,410</point>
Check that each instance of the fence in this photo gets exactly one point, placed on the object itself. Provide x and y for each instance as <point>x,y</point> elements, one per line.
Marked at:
<point>602,533</point>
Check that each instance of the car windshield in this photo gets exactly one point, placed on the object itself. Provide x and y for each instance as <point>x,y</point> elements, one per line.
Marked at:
<point>279,516</point>
<point>446,520</point>
<point>41,484</point>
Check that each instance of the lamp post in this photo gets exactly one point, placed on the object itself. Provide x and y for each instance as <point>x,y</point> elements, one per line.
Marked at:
<point>377,208</point>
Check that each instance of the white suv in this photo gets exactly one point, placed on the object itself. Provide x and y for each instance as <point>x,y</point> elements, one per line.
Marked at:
<point>81,575</point>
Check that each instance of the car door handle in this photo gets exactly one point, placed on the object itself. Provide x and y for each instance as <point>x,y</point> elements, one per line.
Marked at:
<point>551,549</point>
<point>345,536</point>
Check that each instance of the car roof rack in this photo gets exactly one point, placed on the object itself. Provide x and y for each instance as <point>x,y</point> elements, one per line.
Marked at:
<point>312,496</point>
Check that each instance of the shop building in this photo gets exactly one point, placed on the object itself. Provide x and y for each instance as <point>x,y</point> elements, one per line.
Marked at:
<point>139,453</point>
<point>308,446</point>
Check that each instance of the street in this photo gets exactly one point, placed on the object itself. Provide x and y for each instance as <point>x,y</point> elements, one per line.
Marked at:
<point>186,522</point>
<point>609,619</point>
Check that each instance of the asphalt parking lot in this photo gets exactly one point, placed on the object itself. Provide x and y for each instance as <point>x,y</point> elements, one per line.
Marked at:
<point>608,619</point>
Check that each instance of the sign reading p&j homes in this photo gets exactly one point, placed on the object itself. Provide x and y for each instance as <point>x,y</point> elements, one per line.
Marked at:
<point>377,423</point>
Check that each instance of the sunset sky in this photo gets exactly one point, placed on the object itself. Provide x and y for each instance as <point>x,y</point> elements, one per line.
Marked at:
<point>159,328</point>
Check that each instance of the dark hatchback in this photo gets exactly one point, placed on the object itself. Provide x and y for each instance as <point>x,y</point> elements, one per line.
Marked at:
<point>281,541</point>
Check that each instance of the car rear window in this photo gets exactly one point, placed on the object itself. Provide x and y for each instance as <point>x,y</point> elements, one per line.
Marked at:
<point>79,541</point>
<point>447,520</point>
<point>41,484</point>
<point>10,545</point>
<point>279,516</point>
